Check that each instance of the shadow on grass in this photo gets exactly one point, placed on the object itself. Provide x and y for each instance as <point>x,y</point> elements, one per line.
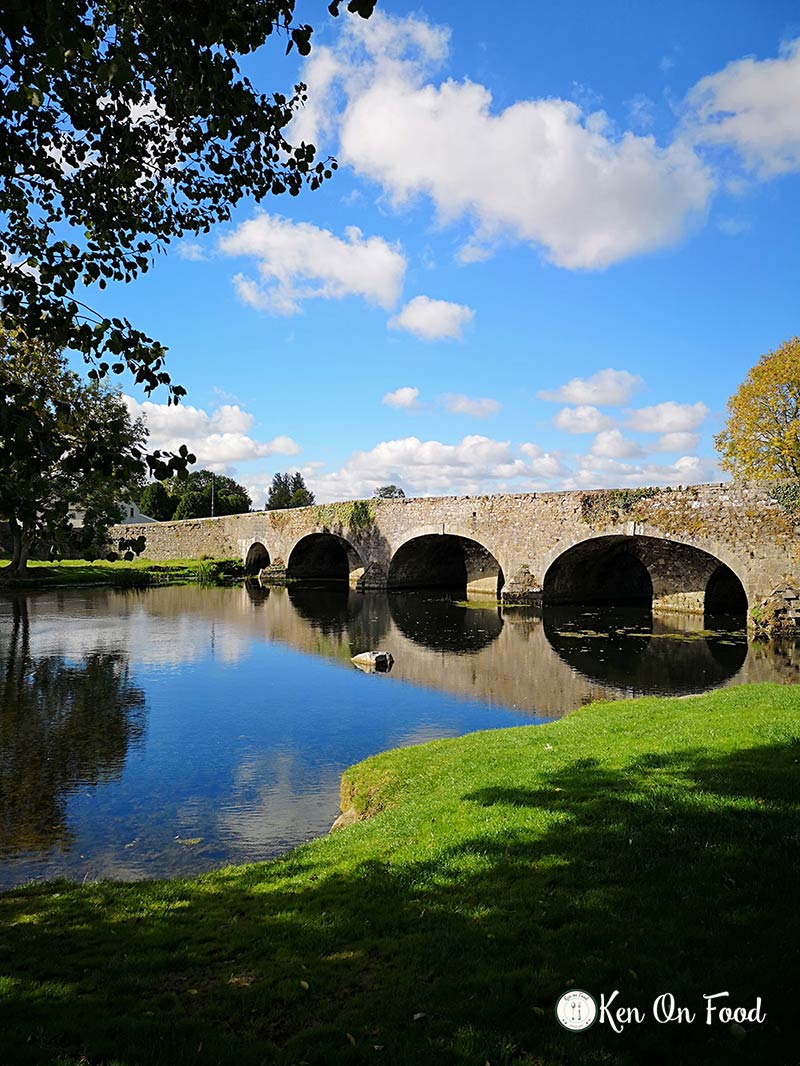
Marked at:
<point>675,874</point>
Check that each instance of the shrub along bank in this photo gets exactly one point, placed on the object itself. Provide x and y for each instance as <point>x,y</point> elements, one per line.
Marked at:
<point>138,573</point>
<point>647,846</point>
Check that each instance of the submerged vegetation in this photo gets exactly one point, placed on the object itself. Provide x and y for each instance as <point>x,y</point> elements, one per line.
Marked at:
<point>648,846</point>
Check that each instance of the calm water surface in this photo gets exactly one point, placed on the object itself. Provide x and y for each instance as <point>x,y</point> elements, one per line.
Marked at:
<point>167,731</point>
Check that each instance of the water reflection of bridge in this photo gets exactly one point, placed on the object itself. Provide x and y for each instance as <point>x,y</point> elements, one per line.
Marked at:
<point>548,661</point>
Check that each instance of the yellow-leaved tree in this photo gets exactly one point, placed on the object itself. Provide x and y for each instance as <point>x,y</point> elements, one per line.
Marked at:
<point>761,438</point>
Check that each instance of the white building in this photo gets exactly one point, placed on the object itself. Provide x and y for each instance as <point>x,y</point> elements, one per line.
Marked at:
<point>131,515</point>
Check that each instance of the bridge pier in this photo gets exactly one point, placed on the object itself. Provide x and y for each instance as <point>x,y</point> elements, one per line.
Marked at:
<point>523,589</point>
<point>374,577</point>
<point>274,574</point>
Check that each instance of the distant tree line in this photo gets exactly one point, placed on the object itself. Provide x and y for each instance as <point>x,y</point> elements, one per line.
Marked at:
<point>194,496</point>
<point>191,497</point>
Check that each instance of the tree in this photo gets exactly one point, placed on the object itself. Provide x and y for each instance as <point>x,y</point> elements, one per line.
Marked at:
<point>122,127</point>
<point>156,502</point>
<point>301,495</point>
<point>191,505</point>
<point>388,492</point>
<point>761,438</point>
<point>193,495</point>
<point>67,449</point>
<point>289,490</point>
<point>280,493</point>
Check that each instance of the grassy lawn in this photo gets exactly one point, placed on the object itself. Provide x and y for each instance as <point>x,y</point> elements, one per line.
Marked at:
<point>649,846</point>
<point>101,572</point>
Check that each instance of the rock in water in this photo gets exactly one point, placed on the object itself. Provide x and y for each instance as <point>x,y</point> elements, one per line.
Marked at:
<point>374,661</point>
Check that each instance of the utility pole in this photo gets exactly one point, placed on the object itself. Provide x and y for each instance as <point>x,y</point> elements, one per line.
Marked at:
<point>212,495</point>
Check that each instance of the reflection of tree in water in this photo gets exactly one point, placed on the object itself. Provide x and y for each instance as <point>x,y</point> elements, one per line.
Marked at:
<point>439,623</point>
<point>621,647</point>
<point>359,620</point>
<point>63,726</point>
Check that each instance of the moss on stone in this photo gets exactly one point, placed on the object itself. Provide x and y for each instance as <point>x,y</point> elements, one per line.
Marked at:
<point>355,516</point>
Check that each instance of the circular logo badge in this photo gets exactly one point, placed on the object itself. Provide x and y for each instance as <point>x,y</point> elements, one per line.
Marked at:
<point>576,1010</point>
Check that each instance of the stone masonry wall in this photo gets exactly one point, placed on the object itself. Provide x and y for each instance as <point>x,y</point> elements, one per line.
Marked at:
<point>738,524</point>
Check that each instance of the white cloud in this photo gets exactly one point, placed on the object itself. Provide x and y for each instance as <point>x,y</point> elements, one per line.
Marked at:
<point>422,467</point>
<point>583,419</point>
<point>668,417</point>
<point>533,451</point>
<point>609,388</point>
<point>403,397</point>
<point>386,40</point>
<point>297,261</point>
<point>595,472</point>
<point>612,444</point>
<point>218,438</point>
<point>432,319</point>
<point>682,443</point>
<point>479,464</point>
<point>642,111</point>
<point>480,407</point>
<point>568,183</point>
<point>544,464</point>
<point>249,292</point>
<point>476,464</point>
<point>752,106</point>
<point>192,251</point>
<point>548,466</point>
<point>586,199</point>
<point>321,73</point>
<point>733,225</point>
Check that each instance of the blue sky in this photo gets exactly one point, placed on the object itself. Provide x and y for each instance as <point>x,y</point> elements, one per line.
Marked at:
<point>557,241</point>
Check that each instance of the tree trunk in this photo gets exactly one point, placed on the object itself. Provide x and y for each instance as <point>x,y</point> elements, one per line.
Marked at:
<point>24,552</point>
<point>20,549</point>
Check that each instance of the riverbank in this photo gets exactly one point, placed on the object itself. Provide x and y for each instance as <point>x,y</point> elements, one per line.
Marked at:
<point>648,846</point>
<point>139,573</point>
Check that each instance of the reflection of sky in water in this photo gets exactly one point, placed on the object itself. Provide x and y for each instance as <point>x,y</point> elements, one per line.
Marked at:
<point>242,753</point>
<point>250,710</point>
<point>117,624</point>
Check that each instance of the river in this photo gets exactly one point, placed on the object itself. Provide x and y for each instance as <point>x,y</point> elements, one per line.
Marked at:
<point>167,731</point>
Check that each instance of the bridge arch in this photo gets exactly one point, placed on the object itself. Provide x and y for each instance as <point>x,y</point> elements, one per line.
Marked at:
<point>628,570</point>
<point>323,556</point>
<point>445,560</point>
<point>257,558</point>
<point>725,593</point>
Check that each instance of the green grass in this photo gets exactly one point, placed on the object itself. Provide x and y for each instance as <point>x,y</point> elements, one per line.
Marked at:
<point>137,573</point>
<point>648,846</point>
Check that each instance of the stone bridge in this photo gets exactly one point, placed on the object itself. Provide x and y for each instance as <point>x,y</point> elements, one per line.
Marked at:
<point>706,548</point>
